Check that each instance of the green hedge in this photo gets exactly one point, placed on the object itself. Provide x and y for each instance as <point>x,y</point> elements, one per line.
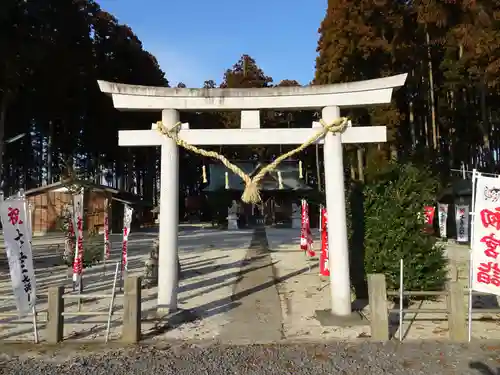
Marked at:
<point>392,199</point>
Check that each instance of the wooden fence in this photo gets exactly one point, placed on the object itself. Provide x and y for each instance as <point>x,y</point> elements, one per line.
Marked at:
<point>55,314</point>
<point>456,307</point>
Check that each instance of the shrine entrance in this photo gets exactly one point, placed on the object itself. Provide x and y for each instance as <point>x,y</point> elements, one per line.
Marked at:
<point>332,131</point>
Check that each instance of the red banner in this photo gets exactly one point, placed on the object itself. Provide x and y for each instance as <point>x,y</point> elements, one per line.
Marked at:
<point>324,268</point>
<point>429,215</point>
<point>305,231</point>
<point>78,214</point>
<point>429,212</point>
<point>127,221</point>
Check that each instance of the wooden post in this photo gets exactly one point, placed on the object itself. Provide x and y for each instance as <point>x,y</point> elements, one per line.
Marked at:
<point>379,315</point>
<point>131,332</point>
<point>452,270</point>
<point>457,315</point>
<point>55,319</point>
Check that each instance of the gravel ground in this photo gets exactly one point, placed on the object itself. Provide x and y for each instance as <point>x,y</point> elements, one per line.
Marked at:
<point>298,359</point>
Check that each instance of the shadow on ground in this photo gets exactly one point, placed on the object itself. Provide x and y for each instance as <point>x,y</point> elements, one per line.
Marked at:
<point>484,369</point>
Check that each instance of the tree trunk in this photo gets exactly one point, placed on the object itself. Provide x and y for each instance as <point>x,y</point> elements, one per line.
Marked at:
<point>431,92</point>
<point>485,129</point>
<point>412,126</point>
<point>49,152</point>
<point>360,153</point>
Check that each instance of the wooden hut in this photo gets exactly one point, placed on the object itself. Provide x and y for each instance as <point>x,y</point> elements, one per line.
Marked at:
<point>50,202</point>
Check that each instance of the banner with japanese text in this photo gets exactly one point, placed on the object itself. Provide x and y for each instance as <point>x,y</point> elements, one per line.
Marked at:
<point>69,244</point>
<point>486,237</point>
<point>324,267</point>
<point>17,237</point>
<point>78,212</point>
<point>306,239</point>
<point>107,247</point>
<point>462,222</point>
<point>442,219</point>
<point>127,221</point>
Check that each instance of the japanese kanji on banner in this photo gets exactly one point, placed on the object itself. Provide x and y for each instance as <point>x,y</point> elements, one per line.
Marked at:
<point>17,237</point>
<point>324,267</point>
<point>127,221</point>
<point>69,245</point>
<point>486,237</point>
<point>442,219</point>
<point>78,212</point>
<point>305,230</point>
<point>462,221</point>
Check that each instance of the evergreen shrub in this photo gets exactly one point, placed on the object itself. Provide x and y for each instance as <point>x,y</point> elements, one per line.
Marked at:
<point>394,197</point>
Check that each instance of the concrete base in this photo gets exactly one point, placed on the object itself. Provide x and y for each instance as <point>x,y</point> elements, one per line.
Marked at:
<point>232,222</point>
<point>259,239</point>
<point>174,319</point>
<point>327,319</point>
<point>296,223</point>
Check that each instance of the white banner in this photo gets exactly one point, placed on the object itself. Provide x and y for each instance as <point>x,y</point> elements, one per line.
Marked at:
<point>462,221</point>
<point>107,248</point>
<point>442,218</point>
<point>69,244</point>
<point>485,268</point>
<point>127,220</point>
<point>17,237</point>
<point>78,212</point>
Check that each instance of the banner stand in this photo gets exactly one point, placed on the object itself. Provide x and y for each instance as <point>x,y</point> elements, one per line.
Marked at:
<point>475,175</point>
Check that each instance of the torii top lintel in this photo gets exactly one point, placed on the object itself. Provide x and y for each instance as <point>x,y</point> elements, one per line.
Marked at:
<point>149,98</point>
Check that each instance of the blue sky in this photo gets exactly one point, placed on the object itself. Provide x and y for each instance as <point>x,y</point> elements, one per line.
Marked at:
<point>197,40</point>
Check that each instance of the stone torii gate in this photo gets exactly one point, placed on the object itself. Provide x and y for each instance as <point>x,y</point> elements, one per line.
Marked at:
<point>328,98</point>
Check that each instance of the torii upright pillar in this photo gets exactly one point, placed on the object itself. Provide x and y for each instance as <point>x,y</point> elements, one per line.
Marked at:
<point>328,98</point>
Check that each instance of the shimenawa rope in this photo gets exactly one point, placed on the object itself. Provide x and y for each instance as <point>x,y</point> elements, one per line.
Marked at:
<point>251,193</point>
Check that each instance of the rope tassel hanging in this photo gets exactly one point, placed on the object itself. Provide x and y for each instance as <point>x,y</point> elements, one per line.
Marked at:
<point>251,193</point>
<point>301,175</point>
<point>204,174</point>
<point>280,180</point>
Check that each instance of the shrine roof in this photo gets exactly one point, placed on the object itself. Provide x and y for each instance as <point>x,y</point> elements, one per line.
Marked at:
<point>118,195</point>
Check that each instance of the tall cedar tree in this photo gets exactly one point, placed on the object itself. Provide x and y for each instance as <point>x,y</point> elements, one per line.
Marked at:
<point>366,40</point>
<point>48,90</point>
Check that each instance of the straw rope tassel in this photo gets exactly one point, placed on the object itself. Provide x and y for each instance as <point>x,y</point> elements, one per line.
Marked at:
<point>226,179</point>
<point>251,193</point>
<point>280,180</point>
<point>204,174</point>
<point>301,175</point>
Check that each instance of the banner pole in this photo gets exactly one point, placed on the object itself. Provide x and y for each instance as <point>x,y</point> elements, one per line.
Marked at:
<point>471,265</point>
<point>110,312</point>
<point>30,226</point>
<point>30,231</point>
<point>401,297</point>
